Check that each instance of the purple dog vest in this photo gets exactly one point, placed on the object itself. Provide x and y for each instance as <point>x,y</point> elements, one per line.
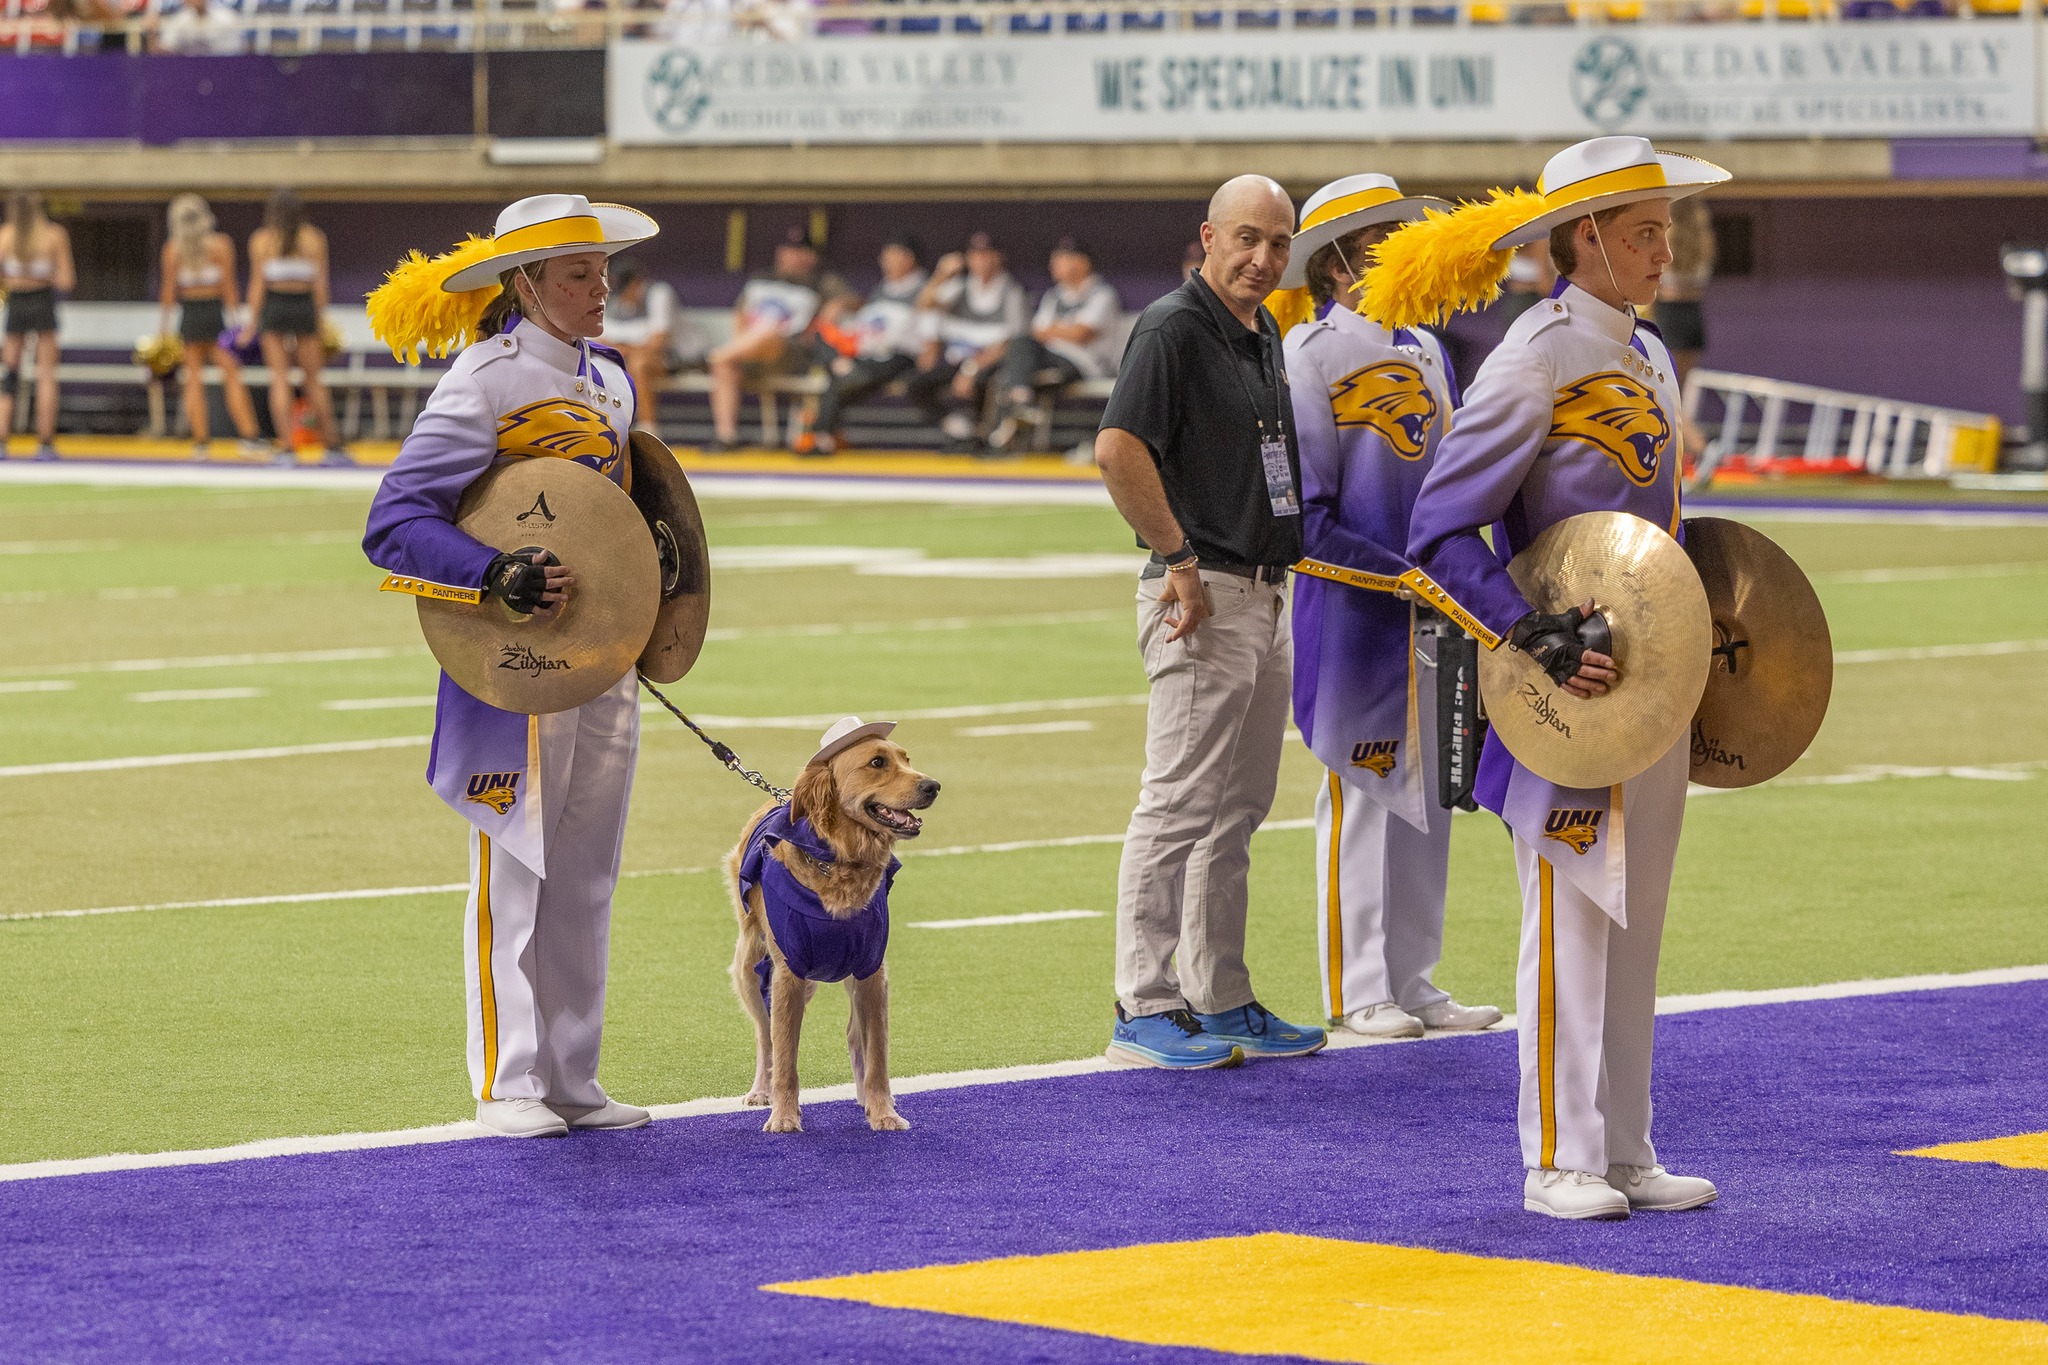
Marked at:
<point>816,945</point>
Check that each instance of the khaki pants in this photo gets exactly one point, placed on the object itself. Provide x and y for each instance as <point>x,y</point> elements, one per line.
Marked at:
<point>1213,734</point>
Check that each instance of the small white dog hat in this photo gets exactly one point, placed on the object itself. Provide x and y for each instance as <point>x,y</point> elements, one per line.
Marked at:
<point>846,732</point>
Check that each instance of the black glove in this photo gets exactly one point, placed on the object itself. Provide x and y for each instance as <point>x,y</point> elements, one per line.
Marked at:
<point>1558,642</point>
<point>519,578</point>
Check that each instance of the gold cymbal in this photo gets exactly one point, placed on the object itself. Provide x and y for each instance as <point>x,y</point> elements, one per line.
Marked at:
<point>1773,665</point>
<point>1642,582</point>
<point>662,492</point>
<point>554,660</point>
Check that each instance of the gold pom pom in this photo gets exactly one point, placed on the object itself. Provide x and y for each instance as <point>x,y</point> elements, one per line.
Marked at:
<point>1290,308</point>
<point>160,354</point>
<point>1426,271</point>
<point>410,311</point>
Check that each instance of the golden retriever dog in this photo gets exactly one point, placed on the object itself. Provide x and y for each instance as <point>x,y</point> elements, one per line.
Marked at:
<point>810,884</point>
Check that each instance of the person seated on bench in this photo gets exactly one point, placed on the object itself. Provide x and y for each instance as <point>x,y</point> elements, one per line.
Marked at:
<point>640,324</point>
<point>972,307</point>
<point>884,335</point>
<point>770,330</point>
<point>1070,339</point>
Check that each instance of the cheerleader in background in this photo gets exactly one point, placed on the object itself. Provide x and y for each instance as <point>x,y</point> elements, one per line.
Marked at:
<point>198,272</point>
<point>287,298</point>
<point>35,266</point>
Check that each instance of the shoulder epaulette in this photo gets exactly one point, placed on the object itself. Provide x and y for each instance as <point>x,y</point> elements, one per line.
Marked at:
<point>493,348</point>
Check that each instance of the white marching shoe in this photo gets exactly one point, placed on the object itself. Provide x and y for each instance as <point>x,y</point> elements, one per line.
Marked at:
<point>520,1119</point>
<point>1656,1190</point>
<point>610,1114</point>
<point>1572,1194</point>
<point>1457,1018</point>
<point>1384,1020</point>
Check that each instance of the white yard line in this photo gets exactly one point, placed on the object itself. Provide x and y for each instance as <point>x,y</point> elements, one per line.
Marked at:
<point>111,765</point>
<point>231,902</point>
<point>1001,708</point>
<point>921,625</point>
<point>55,547</point>
<point>289,656</point>
<point>1929,573</point>
<point>2022,771</point>
<point>1913,652</point>
<point>991,921</point>
<point>956,1080</point>
<point>376,703</point>
<point>43,685</point>
<point>200,694</point>
<point>1046,727</point>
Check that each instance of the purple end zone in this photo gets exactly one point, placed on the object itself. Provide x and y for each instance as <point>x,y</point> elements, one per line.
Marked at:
<point>651,1244</point>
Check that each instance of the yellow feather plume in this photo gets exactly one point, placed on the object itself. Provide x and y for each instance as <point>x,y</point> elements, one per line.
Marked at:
<point>411,311</point>
<point>1425,271</point>
<point>1290,308</point>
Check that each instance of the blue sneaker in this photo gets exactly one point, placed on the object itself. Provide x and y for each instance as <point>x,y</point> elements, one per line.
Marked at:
<point>1262,1033</point>
<point>1172,1039</point>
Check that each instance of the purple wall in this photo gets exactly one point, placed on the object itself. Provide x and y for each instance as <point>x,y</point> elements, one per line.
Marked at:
<point>1897,297</point>
<point>161,99</point>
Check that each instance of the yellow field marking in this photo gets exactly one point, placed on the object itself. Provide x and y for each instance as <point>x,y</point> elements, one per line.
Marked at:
<point>2022,1152</point>
<point>1282,1294</point>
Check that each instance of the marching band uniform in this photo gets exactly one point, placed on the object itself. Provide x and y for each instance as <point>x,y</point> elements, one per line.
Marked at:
<point>1370,406</point>
<point>1575,412</point>
<point>545,795</point>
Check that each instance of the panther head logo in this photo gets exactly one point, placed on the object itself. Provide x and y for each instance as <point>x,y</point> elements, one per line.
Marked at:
<point>562,429</point>
<point>496,790</point>
<point>1376,756</point>
<point>1577,830</point>
<point>1392,399</point>
<point>1617,415</point>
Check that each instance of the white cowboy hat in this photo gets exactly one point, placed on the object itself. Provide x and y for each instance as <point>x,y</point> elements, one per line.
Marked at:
<point>1344,206</point>
<point>545,225</point>
<point>1607,172</point>
<point>846,732</point>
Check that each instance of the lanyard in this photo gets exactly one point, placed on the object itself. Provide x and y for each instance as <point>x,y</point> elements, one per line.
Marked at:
<point>1279,404</point>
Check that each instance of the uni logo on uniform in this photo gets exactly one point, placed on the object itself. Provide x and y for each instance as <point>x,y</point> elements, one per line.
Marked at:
<point>1577,829</point>
<point>1618,415</point>
<point>1392,399</point>
<point>562,429</point>
<point>496,790</point>
<point>1375,755</point>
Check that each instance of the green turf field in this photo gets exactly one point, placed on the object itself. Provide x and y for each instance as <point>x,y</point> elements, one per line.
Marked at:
<point>198,1027</point>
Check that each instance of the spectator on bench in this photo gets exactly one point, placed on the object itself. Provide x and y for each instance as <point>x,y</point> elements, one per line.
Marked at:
<point>640,323</point>
<point>972,308</point>
<point>1070,339</point>
<point>770,322</point>
<point>884,332</point>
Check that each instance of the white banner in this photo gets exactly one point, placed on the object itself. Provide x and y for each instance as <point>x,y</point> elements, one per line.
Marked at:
<point>1898,79</point>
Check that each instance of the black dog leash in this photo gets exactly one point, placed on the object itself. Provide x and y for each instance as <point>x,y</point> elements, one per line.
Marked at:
<point>718,751</point>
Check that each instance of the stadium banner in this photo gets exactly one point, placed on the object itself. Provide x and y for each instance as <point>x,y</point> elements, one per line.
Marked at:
<point>1937,78</point>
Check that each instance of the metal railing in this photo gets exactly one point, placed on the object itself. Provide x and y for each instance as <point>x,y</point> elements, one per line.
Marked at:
<point>1804,427</point>
<point>288,27</point>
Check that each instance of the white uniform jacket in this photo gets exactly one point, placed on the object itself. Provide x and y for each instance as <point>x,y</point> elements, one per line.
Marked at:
<point>1577,411</point>
<point>1370,406</point>
<point>522,395</point>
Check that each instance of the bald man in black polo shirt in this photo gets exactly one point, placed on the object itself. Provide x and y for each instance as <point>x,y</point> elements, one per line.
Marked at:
<point>1197,449</point>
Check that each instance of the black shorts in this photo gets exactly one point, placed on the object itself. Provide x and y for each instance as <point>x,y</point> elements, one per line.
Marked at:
<point>31,310</point>
<point>290,315</point>
<point>202,320</point>
<point>1683,324</point>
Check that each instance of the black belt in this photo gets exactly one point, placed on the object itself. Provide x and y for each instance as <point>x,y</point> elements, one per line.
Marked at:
<point>1261,573</point>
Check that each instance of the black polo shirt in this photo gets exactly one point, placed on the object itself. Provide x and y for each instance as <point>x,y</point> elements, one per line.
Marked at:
<point>1193,386</point>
